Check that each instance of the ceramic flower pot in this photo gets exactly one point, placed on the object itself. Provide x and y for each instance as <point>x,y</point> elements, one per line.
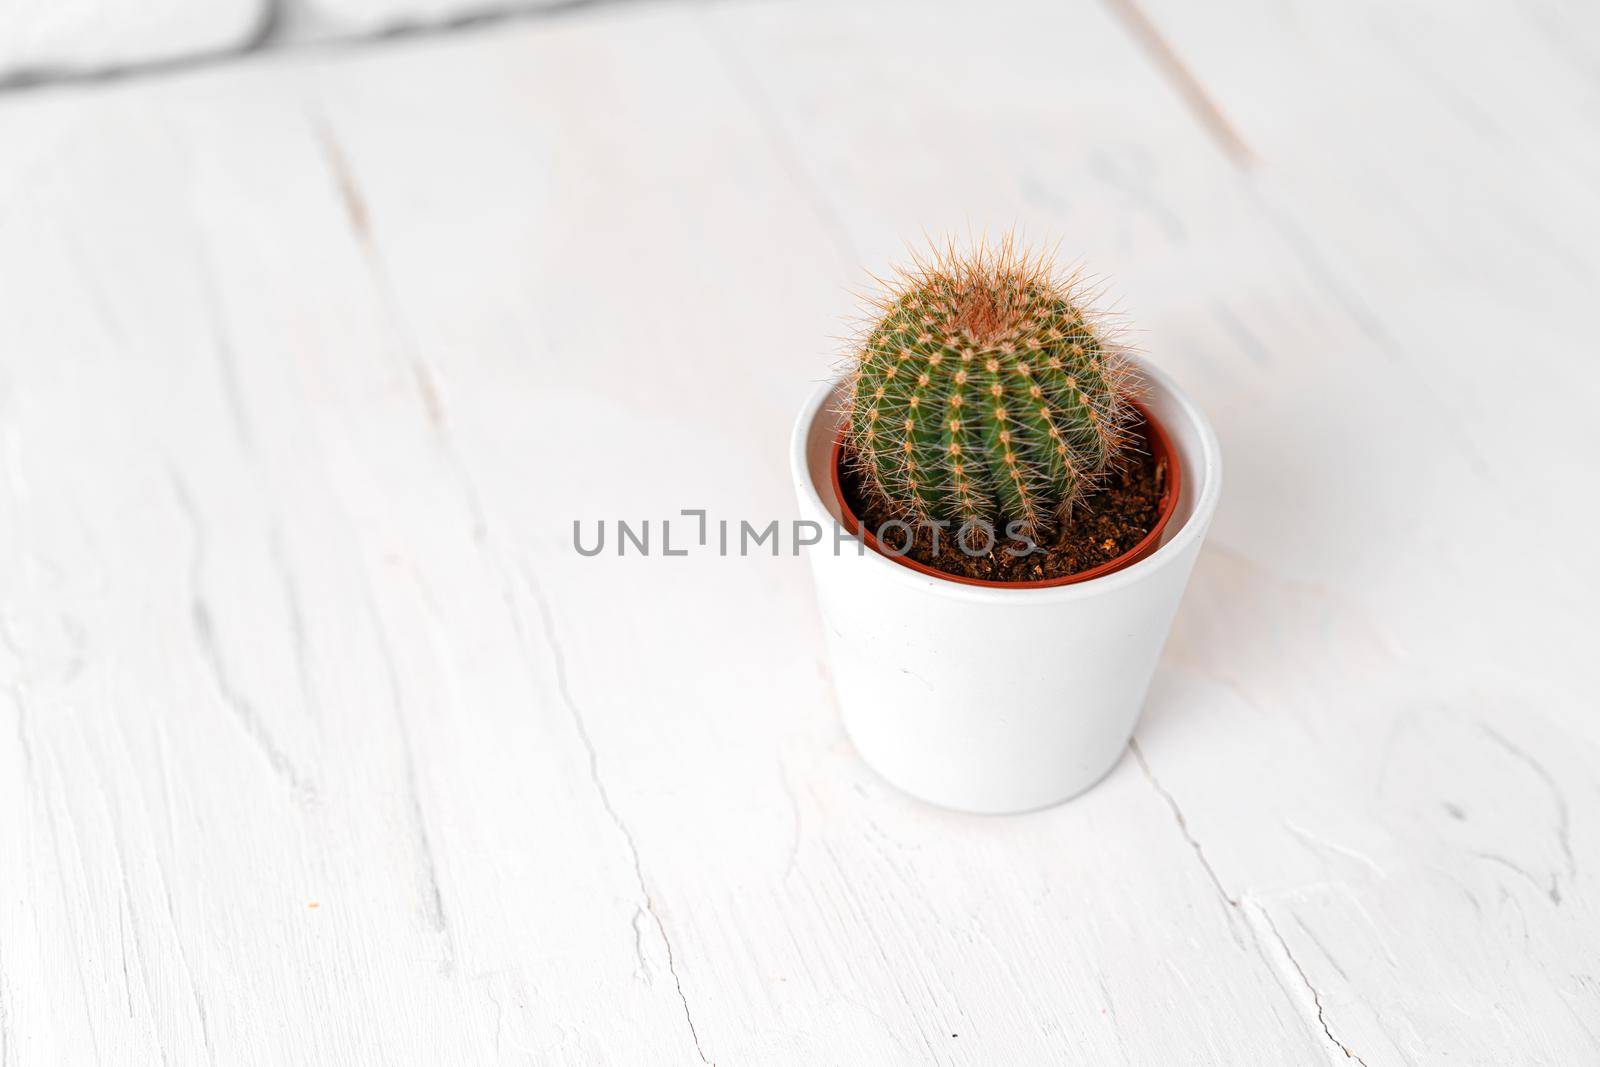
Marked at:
<point>988,698</point>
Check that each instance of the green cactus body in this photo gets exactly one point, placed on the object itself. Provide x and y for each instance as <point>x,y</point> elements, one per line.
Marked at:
<point>986,392</point>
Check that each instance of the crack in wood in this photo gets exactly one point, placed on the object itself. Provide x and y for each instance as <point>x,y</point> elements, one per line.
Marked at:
<point>432,893</point>
<point>293,608</point>
<point>1183,823</point>
<point>1237,903</point>
<point>204,628</point>
<point>221,342</point>
<point>559,664</point>
<point>1316,997</point>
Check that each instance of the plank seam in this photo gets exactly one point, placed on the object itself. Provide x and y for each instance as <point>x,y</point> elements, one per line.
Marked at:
<point>1202,105</point>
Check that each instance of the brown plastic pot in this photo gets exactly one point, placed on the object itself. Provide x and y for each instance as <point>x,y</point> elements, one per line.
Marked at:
<point>1166,462</point>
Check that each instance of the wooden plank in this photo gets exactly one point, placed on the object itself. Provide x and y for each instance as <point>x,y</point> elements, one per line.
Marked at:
<point>306,369</point>
<point>1454,178</point>
<point>354,548</point>
<point>813,914</point>
<point>313,779</point>
<point>1438,162</point>
<point>1401,715</point>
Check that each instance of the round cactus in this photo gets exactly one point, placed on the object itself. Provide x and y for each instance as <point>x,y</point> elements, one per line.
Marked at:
<point>985,390</point>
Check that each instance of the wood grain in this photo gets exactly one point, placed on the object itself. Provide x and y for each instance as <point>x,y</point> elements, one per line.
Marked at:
<point>325,746</point>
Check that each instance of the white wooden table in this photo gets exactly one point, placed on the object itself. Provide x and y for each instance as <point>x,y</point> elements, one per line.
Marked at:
<point>322,745</point>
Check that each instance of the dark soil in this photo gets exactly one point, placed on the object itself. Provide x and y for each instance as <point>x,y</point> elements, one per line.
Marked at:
<point>1105,523</point>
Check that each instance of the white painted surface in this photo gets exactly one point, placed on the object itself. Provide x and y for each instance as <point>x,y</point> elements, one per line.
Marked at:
<point>51,38</point>
<point>307,365</point>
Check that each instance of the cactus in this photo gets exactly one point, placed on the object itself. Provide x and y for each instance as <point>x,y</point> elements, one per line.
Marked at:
<point>984,389</point>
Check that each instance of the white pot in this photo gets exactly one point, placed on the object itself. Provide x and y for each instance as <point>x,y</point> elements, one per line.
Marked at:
<point>998,700</point>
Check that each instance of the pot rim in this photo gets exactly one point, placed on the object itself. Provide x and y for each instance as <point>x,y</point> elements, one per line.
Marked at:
<point>1207,487</point>
<point>1165,453</point>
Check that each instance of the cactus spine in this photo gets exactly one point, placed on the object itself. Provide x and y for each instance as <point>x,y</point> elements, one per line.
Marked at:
<point>985,390</point>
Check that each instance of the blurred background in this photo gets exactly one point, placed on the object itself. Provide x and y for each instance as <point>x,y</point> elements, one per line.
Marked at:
<point>46,41</point>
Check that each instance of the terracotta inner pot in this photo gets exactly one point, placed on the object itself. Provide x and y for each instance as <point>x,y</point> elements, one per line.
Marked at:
<point>1166,462</point>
